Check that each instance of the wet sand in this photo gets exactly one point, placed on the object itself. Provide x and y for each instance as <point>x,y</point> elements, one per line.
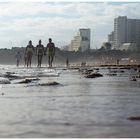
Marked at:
<point>79,107</point>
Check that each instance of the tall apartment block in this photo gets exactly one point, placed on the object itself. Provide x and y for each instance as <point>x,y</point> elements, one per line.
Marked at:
<point>81,41</point>
<point>126,31</point>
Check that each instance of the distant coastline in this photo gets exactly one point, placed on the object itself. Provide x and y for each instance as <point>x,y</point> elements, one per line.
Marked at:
<point>103,57</point>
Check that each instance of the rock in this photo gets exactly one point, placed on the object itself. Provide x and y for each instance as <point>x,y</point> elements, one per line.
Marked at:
<point>125,68</point>
<point>133,79</point>
<point>85,70</point>
<point>138,76</point>
<point>114,71</point>
<point>94,75</point>
<point>27,80</point>
<point>134,118</point>
<point>49,84</point>
<point>11,76</point>
<point>8,73</point>
<point>4,80</point>
<point>112,74</point>
<point>122,71</point>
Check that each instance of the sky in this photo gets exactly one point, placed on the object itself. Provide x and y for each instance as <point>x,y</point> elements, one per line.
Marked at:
<point>24,21</point>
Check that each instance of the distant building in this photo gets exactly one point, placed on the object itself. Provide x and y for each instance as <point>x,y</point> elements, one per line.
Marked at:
<point>126,31</point>
<point>81,41</point>
<point>111,38</point>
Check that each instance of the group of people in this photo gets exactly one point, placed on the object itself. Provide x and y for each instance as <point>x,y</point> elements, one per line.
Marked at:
<point>40,51</point>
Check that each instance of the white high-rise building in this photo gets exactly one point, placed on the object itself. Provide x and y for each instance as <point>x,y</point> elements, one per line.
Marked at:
<point>81,41</point>
<point>126,31</point>
<point>111,38</point>
<point>120,32</point>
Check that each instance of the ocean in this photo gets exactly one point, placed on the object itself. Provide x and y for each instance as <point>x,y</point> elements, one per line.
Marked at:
<point>78,107</point>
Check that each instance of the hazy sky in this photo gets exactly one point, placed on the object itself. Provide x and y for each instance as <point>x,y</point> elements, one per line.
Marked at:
<point>22,21</point>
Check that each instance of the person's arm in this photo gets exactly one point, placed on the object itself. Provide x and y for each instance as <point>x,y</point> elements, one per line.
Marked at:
<point>26,50</point>
<point>45,50</point>
<point>36,49</point>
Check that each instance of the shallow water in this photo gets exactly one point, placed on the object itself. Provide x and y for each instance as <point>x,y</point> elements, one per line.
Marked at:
<point>79,107</point>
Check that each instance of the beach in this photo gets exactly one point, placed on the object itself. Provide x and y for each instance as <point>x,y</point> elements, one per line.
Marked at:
<point>77,107</point>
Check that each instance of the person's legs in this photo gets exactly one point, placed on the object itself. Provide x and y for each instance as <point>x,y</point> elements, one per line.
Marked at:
<point>30,60</point>
<point>17,62</point>
<point>49,61</point>
<point>27,61</point>
<point>40,60</point>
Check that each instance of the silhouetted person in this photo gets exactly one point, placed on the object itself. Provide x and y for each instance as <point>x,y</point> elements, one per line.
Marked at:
<point>18,58</point>
<point>67,62</point>
<point>29,52</point>
<point>118,61</point>
<point>40,53</point>
<point>50,51</point>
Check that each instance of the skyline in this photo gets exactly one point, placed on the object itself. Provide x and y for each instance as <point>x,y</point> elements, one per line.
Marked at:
<point>24,21</point>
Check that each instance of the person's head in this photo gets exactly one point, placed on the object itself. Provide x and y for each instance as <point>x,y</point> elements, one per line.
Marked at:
<point>30,42</point>
<point>50,40</point>
<point>18,52</point>
<point>39,41</point>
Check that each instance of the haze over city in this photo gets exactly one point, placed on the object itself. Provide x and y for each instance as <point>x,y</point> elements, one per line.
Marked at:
<point>22,21</point>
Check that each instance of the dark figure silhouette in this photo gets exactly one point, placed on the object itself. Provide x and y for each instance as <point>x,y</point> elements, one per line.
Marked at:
<point>29,52</point>
<point>50,52</point>
<point>67,62</point>
<point>18,58</point>
<point>39,52</point>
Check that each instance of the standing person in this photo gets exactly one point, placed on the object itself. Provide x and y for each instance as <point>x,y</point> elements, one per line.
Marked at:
<point>18,57</point>
<point>67,62</point>
<point>39,52</point>
<point>50,52</point>
<point>29,52</point>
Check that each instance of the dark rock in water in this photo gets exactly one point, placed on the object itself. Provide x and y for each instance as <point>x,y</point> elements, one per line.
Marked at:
<point>96,69</point>
<point>134,118</point>
<point>28,80</point>
<point>85,70</point>
<point>127,68</point>
<point>67,123</point>
<point>94,75</point>
<point>114,71</point>
<point>12,77</point>
<point>25,81</point>
<point>49,84</point>
<point>112,74</point>
<point>4,80</point>
<point>8,73</point>
<point>133,79</point>
<point>122,71</point>
<point>138,76</point>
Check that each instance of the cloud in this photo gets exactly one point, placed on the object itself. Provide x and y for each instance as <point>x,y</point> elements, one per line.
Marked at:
<point>20,22</point>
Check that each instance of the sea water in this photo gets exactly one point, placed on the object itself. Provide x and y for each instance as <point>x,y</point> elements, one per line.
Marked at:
<point>78,107</point>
